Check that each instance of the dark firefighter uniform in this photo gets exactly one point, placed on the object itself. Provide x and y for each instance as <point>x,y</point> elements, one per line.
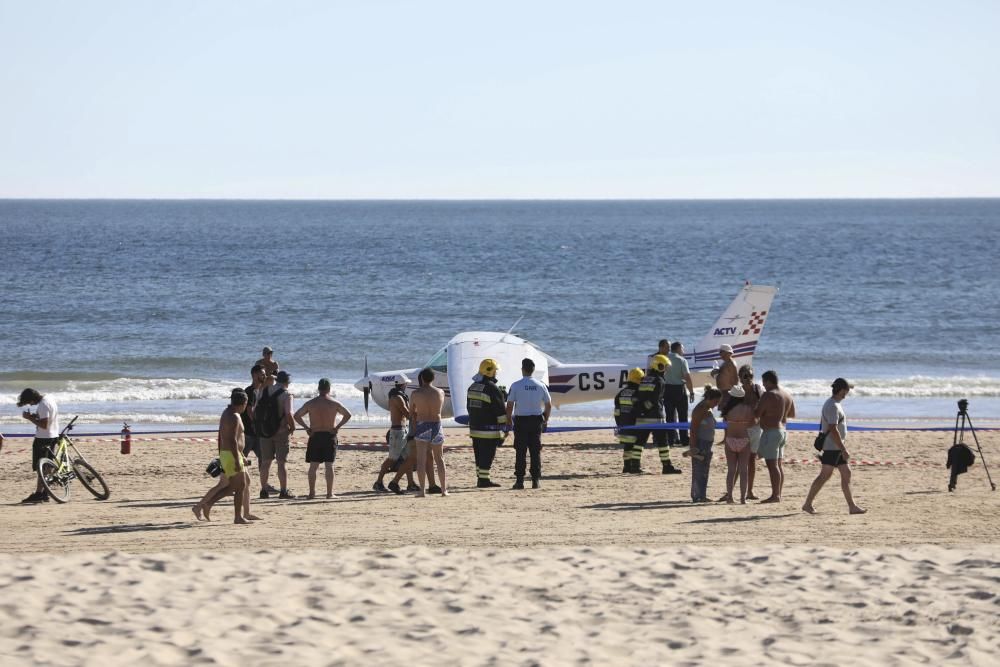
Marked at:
<point>625,401</point>
<point>650,410</point>
<point>486,403</point>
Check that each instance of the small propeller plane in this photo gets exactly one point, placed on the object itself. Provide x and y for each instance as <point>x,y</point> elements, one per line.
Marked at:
<point>740,326</point>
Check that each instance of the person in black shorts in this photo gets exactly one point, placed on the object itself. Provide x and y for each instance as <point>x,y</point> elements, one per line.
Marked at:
<point>46,421</point>
<point>322,430</point>
<point>835,455</point>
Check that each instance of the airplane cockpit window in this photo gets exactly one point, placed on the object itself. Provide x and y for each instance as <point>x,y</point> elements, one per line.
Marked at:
<point>439,362</point>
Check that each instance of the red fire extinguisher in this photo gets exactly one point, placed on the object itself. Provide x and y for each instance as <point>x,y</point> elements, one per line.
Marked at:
<point>126,439</point>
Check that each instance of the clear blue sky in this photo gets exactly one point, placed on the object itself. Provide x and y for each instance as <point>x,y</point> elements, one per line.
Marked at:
<point>378,99</point>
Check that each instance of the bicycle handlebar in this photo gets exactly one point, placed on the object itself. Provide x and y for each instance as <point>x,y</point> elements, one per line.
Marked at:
<point>69,426</point>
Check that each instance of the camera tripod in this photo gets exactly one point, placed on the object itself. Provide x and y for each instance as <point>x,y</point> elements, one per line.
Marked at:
<point>961,419</point>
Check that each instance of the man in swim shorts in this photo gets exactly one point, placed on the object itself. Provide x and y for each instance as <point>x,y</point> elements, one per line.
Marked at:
<point>833,422</point>
<point>231,442</point>
<point>773,411</point>
<point>322,430</point>
<point>426,403</point>
<point>399,414</point>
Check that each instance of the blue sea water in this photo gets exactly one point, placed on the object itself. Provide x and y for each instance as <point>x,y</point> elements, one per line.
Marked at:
<point>151,310</point>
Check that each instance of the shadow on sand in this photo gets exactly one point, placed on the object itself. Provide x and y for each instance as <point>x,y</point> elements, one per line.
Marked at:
<point>738,519</point>
<point>132,528</point>
<point>651,505</point>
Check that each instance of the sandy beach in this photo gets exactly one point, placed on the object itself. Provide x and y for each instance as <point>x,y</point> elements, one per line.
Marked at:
<point>593,568</point>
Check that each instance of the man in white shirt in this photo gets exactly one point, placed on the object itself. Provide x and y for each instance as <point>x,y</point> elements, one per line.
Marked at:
<point>46,421</point>
<point>833,422</point>
<point>530,404</point>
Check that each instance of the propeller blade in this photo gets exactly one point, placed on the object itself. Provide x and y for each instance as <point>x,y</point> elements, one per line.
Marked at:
<point>367,390</point>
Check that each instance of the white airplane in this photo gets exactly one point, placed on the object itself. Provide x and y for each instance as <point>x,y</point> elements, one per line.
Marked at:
<point>740,326</point>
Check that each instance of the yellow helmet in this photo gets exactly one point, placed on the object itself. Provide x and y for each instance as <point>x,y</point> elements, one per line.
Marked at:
<point>635,375</point>
<point>660,363</point>
<point>488,368</point>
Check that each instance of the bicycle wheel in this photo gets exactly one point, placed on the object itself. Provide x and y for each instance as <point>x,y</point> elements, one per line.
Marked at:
<point>91,479</point>
<point>55,484</point>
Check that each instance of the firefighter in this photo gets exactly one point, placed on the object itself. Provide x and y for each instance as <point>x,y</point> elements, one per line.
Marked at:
<point>625,401</point>
<point>649,410</point>
<point>486,403</point>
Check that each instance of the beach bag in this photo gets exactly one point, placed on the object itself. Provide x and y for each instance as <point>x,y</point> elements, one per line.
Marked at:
<point>267,415</point>
<point>820,439</point>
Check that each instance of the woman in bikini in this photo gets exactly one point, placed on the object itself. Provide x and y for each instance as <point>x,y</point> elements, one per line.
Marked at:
<point>739,417</point>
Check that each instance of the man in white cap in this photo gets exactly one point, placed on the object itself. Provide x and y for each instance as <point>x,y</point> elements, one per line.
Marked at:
<point>399,417</point>
<point>728,376</point>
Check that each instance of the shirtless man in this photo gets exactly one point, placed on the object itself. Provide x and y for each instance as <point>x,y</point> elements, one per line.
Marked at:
<point>399,415</point>
<point>773,411</point>
<point>410,464</point>
<point>231,459</point>
<point>426,403</point>
<point>728,376</point>
<point>322,430</point>
<point>267,362</point>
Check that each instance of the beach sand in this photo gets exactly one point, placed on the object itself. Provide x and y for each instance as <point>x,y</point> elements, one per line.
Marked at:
<point>594,567</point>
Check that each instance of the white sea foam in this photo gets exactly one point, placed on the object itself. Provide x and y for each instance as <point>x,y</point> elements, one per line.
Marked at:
<point>119,390</point>
<point>914,386</point>
<point>141,390</point>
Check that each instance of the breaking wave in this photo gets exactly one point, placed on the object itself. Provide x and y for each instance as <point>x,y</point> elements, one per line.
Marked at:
<point>118,389</point>
<point>915,386</point>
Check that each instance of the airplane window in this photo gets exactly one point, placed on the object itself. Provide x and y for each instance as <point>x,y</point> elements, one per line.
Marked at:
<point>439,362</point>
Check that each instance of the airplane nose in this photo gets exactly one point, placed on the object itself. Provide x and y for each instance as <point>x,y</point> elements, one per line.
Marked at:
<point>361,384</point>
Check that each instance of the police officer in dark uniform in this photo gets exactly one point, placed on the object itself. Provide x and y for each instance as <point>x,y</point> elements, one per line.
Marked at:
<point>488,426</point>
<point>625,402</point>
<point>650,410</point>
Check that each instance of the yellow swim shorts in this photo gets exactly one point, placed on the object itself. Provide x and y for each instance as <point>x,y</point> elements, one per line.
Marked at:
<point>231,465</point>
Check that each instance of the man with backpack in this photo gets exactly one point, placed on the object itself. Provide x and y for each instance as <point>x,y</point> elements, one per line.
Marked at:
<point>275,425</point>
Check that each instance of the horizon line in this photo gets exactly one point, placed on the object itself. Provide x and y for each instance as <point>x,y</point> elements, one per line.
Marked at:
<point>498,199</point>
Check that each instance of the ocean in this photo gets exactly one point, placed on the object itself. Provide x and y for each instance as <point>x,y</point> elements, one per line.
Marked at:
<point>151,311</point>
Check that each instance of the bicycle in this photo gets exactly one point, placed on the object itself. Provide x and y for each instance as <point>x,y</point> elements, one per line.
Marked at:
<point>67,464</point>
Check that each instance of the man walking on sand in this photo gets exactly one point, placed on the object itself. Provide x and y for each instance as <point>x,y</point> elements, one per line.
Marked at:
<point>322,430</point>
<point>426,402</point>
<point>231,459</point>
<point>203,508</point>
<point>835,455</point>
<point>773,411</point>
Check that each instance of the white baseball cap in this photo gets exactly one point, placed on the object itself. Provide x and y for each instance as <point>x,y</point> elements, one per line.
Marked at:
<point>726,348</point>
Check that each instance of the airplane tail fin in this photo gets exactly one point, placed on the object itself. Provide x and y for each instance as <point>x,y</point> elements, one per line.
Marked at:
<point>739,326</point>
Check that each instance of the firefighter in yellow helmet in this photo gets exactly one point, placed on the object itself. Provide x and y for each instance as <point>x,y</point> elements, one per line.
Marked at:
<point>649,410</point>
<point>486,404</point>
<point>625,404</point>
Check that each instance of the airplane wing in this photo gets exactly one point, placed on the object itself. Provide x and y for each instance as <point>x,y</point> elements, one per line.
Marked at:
<point>467,350</point>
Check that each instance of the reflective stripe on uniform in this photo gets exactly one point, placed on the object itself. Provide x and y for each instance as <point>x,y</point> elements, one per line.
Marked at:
<point>502,419</point>
<point>486,435</point>
<point>479,396</point>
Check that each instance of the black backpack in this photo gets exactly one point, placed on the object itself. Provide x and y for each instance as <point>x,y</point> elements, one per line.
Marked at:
<point>267,415</point>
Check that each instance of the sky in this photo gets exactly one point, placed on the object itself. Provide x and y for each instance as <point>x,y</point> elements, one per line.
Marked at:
<point>530,100</point>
